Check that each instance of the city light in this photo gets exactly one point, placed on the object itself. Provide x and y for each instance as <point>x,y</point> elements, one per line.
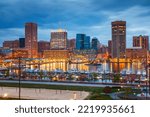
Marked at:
<point>5,95</point>
<point>81,60</point>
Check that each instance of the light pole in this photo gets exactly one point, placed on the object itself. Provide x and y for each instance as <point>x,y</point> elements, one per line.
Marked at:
<point>146,88</point>
<point>149,78</point>
<point>121,79</point>
<point>78,60</point>
<point>19,78</point>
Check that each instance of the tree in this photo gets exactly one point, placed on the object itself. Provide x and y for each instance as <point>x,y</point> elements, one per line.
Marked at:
<point>41,74</point>
<point>70,77</point>
<point>7,73</point>
<point>128,91</point>
<point>82,77</point>
<point>94,76</point>
<point>116,78</point>
<point>50,76</point>
<point>107,90</point>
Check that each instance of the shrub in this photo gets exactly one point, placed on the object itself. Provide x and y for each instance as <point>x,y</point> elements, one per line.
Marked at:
<point>107,89</point>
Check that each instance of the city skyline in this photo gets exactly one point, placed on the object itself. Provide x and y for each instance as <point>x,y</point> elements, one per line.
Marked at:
<point>91,17</point>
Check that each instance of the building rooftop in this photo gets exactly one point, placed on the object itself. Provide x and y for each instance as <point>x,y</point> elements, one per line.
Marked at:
<point>59,30</point>
<point>135,48</point>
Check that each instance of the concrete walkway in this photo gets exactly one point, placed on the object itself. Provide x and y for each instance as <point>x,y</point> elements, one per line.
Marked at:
<point>42,94</point>
<point>114,96</point>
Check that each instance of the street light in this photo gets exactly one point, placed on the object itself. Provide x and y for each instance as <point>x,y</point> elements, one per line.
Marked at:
<point>139,86</point>
<point>149,78</point>
<point>121,79</point>
<point>5,95</point>
<point>19,78</point>
<point>146,87</point>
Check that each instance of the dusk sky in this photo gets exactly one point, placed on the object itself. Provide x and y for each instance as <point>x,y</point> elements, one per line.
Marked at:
<point>92,17</point>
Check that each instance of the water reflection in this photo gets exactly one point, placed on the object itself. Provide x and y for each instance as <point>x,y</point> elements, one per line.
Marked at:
<point>130,67</point>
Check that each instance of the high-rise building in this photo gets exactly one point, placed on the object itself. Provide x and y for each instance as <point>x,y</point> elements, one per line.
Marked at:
<point>141,41</point>
<point>11,44</point>
<point>82,41</point>
<point>71,44</point>
<point>95,44</point>
<point>22,42</point>
<point>103,49</point>
<point>58,40</point>
<point>31,39</point>
<point>43,45</point>
<point>118,39</point>
<point>110,47</point>
<point>87,42</point>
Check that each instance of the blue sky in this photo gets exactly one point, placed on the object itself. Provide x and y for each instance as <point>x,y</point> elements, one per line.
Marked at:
<point>92,17</point>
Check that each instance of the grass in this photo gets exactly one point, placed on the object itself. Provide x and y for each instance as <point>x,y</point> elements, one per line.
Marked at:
<point>95,92</point>
<point>98,96</point>
<point>58,87</point>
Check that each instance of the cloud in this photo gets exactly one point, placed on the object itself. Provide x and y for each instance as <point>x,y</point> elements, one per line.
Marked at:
<point>137,18</point>
<point>92,17</point>
<point>11,34</point>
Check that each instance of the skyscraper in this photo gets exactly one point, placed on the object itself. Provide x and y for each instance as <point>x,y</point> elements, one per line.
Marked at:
<point>95,44</point>
<point>109,47</point>
<point>87,42</point>
<point>31,39</point>
<point>58,40</point>
<point>21,42</point>
<point>82,41</point>
<point>118,39</point>
<point>141,41</point>
<point>71,44</point>
<point>43,45</point>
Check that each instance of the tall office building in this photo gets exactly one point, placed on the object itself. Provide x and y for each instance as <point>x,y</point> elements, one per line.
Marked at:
<point>109,47</point>
<point>22,42</point>
<point>31,39</point>
<point>71,44</point>
<point>82,41</point>
<point>95,44</point>
<point>58,40</point>
<point>43,45</point>
<point>103,49</point>
<point>87,42</point>
<point>118,39</point>
<point>141,41</point>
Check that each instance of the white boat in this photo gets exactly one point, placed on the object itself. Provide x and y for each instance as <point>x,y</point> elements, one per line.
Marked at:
<point>144,73</point>
<point>58,70</point>
<point>128,72</point>
<point>123,71</point>
<point>72,71</point>
<point>139,72</point>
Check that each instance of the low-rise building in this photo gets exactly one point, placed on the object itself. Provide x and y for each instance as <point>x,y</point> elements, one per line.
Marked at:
<point>11,44</point>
